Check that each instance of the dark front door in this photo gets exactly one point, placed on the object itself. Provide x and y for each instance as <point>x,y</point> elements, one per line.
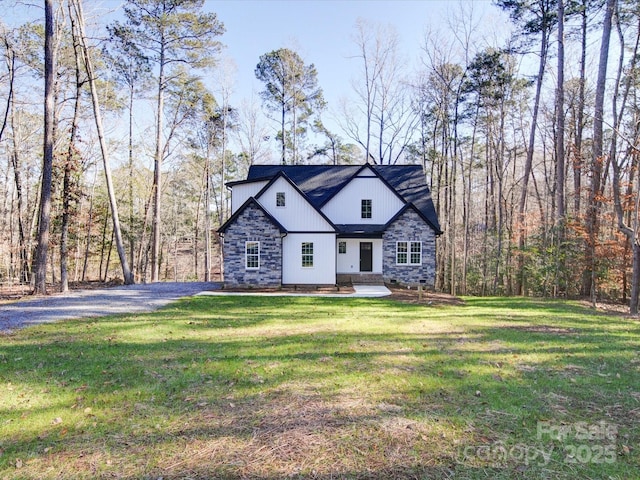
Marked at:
<point>366,256</point>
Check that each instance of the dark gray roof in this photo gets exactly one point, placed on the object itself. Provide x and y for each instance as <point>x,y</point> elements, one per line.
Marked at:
<point>318,182</point>
<point>361,230</point>
<point>321,182</point>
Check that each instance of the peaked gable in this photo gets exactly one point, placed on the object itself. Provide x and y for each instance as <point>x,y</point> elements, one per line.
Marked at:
<point>345,207</point>
<point>251,202</point>
<point>297,213</point>
<point>322,182</point>
<point>411,206</point>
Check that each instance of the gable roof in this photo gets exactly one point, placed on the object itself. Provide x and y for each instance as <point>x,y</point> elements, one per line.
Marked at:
<point>285,177</point>
<point>251,201</point>
<point>320,183</point>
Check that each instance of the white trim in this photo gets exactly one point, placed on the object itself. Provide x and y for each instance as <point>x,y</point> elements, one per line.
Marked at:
<point>246,255</point>
<point>307,255</point>
<point>409,252</point>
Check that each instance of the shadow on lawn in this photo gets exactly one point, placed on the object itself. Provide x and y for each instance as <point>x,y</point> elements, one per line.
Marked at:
<point>212,396</point>
<point>538,306</point>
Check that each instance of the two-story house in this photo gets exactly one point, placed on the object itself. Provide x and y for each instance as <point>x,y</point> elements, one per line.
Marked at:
<point>323,225</point>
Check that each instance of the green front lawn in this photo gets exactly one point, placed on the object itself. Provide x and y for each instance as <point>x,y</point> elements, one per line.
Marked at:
<point>294,387</point>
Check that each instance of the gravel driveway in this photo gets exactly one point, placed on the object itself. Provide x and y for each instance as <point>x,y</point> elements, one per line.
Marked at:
<point>96,303</point>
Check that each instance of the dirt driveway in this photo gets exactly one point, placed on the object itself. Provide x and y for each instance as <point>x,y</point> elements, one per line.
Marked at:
<point>96,303</point>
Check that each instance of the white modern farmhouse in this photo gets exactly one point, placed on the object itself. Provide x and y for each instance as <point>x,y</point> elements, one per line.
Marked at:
<point>326,225</point>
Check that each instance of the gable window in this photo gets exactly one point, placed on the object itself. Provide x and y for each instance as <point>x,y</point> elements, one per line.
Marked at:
<point>409,253</point>
<point>307,254</point>
<point>252,255</point>
<point>342,247</point>
<point>365,208</point>
<point>280,199</point>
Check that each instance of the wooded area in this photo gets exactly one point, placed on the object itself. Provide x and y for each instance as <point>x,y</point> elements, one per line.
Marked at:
<point>530,143</point>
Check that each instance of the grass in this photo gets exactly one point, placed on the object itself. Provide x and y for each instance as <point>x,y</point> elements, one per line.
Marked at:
<point>277,387</point>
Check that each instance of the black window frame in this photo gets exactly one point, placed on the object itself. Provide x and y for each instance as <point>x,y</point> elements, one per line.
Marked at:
<point>366,208</point>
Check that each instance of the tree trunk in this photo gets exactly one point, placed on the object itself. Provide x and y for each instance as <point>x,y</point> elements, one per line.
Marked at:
<point>24,273</point>
<point>157,176</point>
<point>577,162</point>
<point>132,242</point>
<point>598,153</point>
<point>282,124</point>
<point>69,165</point>
<point>126,272</point>
<point>626,210</point>
<point>560,200</point>
<point>40,283</point>
<point>560,214</point>
<point>635,280</point>
<point>89,223</point>
<point>522,206</point>
<point>207,217</point>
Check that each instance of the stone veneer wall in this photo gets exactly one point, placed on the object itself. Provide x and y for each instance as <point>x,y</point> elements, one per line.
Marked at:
<point>409,227</point>
<point>252,225</point>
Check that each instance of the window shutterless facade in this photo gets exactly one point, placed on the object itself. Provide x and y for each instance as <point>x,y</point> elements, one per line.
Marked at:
<point>307,254</point>
<point>342,247</point>
<point>280,199</point>
<point>252,255</point>
<point>409,253</point>
<point>365,208</point>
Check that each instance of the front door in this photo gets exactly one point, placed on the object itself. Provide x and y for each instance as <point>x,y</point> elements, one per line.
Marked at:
<point>366,256</point>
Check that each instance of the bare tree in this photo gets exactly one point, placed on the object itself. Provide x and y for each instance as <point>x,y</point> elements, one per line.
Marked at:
<point>382,119</point>
<point>598,152</point>
<point>560,163</point>
<point>627,203</point>
<point>40,268</point>
<point>117,233</point>
<point>252,135</point>
<point>536,17</point>
<point>169,34</point>
<point>291,90</point>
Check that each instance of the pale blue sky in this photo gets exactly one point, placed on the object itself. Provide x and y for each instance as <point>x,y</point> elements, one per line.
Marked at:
<point>321,32</point>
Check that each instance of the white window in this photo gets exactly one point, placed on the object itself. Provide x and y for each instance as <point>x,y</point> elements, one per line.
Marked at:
<point>365,209</point>
<point>280,199</point>
<point>401,253</point>
<point>415,257</point>
<point>342,247</point>
<point>307,254</point>
<point>409,253</point>
<point>252,255</point>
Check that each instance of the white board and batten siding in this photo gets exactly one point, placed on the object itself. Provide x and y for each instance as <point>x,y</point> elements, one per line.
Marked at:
<point>345,206</point>
<point>297,215</point>
<point>324,259</point>
<point>349,262</point>
<point>242,192</point>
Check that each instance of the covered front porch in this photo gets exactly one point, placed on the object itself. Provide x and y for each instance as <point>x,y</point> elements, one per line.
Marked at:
<point>358,260</point>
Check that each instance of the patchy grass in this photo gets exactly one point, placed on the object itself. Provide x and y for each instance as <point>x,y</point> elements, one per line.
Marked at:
<point>277,387</point>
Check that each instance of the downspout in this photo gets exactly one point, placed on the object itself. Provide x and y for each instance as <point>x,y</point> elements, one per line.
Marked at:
<point>221,243</point>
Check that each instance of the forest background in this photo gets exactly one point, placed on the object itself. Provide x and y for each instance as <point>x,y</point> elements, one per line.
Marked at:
<point>527,131</point>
